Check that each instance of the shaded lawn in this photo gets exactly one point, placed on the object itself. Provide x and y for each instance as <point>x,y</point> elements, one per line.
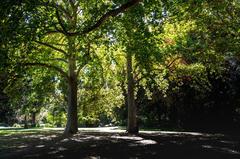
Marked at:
<point>49,143</point>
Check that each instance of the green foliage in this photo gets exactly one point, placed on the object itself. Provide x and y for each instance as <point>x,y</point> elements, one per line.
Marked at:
<point>180,53</point>
<point>56,119</point>
<point>97,106</point>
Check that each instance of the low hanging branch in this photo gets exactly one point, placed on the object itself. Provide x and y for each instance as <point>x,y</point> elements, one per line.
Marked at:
<point>63,73</point>
<point>106,16</point>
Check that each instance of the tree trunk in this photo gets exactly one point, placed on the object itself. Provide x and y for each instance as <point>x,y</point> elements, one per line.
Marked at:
<point>33,119</point>
<point>72,117</point>
<point>25,122</point>
<point>132,127</point>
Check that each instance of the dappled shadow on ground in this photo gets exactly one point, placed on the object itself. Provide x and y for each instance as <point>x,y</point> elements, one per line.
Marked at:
<point>120,145</point>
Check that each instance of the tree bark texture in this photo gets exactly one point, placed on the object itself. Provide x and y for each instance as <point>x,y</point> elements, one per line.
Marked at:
<point>72,117</point>
<point>132,127</point>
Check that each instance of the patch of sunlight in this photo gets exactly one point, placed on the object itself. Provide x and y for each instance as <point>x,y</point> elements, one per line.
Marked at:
<point>40,146</point>
<point>93,145</point>
<point>180,133</point>
<point>53,152</point>
<point>225,149</point>
<point>33,136</point>
<point>228,142</point>
<point>22,146</point>
<point>207,146</point>
<point>64,140</point>
<point>146,142</point>
<point>62,148</point>
<point>89,137</point>
<point>92,157</point>
<point>135,138</point>
<point>102,129</point>
<point>48,137</point>
<point>57,129</point>
<point>138,140</point>
<point>7,135</point>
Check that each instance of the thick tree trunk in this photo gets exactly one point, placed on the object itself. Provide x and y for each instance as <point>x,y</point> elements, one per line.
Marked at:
<point>132,127</point>
<point>72,119</point>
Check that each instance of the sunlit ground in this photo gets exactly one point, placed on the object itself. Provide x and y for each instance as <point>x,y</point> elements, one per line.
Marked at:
<point>112,142</point>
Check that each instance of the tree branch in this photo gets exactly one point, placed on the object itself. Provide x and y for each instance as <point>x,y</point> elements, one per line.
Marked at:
<point>102,19</point>
<point>52,47</point>
<point>59,59</point>
<point>60,21</point>
<point>63,73</point>
<point>106,16</point>
<point>172,62</point>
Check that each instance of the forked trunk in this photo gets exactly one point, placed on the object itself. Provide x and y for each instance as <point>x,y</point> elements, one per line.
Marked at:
<point>132,127</point>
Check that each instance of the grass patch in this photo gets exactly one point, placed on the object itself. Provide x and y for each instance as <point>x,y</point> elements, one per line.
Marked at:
<point>19,131</point>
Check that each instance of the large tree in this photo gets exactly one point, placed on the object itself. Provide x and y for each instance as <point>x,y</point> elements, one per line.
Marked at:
<point>135,34</point>
<point>57,34</point>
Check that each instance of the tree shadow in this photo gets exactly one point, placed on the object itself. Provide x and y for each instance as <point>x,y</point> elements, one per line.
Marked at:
<point>121,145</point>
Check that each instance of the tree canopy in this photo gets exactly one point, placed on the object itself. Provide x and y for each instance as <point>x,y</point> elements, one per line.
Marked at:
<point>125,62</point>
